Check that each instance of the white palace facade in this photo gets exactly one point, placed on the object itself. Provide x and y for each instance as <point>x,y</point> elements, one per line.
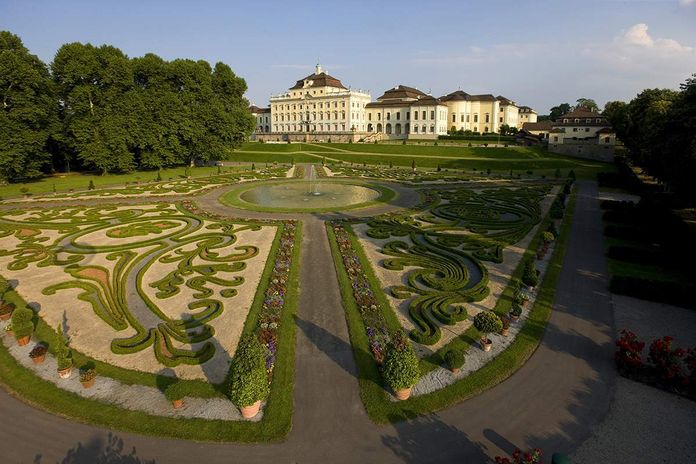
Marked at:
<point>320,108</point>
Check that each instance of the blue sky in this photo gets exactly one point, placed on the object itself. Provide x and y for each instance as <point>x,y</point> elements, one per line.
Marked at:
<point>536,52</point>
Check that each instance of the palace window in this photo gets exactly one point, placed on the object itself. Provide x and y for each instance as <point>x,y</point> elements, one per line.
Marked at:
<point>432,115</point>
<point>388,115</point>
<point>432,128</point>
<point>379,116</point>
<point>424,113</point>
<point>369,116</point>
<point>501,119</point>
<point>343,127</point>
<point>415,116</point>
<point>343,104</point>
<point>398,115</point>
<point>485,129</point>
<point>476,118</point>
<point>462,118</point>
<point>565,120</point>
<point>415,129</point>
<point>488,117</point>
<point>408,115</point>
<point>454,118</point>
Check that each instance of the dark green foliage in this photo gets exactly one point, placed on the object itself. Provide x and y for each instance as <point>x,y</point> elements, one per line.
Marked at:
<point>22,323</point>
<point>571,174</point>
<point>248,377</point>
<point>516,310</point>
<point>488,322</point>
<point>401,364</point>
<point>176,391</point>
<point>454,358</point>
<point>27,110</point>
<point>557,174</point>
<point>62,351</point>
<point>114,113</point>
<point>530,276</point>
<point>664,291</point>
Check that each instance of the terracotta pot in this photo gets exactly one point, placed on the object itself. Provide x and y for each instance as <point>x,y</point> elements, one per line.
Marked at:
<point>455,370</point>
<point>65,373</point>
<point>486,344</point>
<point>177,404</point>
<point>89,383</point>
<point>505,332</point>
<point>10,333</point>
<point>6,316</point>
<point>403,394</point>
<point>250,411</point>
<point>39,359</point>
<point>23,341</point>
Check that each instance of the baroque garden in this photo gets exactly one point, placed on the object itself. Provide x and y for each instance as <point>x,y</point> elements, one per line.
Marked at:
<point>186,291</point>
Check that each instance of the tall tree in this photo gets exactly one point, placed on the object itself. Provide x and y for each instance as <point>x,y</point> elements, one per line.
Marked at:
<point>558,111</point>
<point>616,113</point>
<point>588,103</point>
<point>98,101</point>
<point>28,115</point>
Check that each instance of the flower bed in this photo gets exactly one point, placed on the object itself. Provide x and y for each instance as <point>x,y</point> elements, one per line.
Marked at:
<point>373,319</point>
<point>667,367</point>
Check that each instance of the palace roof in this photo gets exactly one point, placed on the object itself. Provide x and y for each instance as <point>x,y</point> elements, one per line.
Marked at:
<point>318,80</point>
<point>538,126</point>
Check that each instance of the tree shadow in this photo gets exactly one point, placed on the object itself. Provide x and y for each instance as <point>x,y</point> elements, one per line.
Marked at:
<point>429,439</point>
<point>100,450</point>
<point>336,349</point>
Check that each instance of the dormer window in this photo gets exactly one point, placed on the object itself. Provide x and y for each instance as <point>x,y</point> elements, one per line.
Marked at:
<point>598,120</point>
<point>577,119</point>
<point>565,120</point>
<point>588,120</point>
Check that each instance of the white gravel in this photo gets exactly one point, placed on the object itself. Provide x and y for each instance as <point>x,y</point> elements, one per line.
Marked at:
<point>476,358</point>
<point>133,397</point>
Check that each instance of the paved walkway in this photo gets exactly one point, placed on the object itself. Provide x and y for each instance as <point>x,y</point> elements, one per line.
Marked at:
<point>552,402</point>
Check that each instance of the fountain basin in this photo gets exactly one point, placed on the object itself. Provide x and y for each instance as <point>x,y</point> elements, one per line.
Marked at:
<point>306,196</point>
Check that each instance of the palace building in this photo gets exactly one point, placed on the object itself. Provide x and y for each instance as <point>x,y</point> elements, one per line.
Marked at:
<point>320,108</point>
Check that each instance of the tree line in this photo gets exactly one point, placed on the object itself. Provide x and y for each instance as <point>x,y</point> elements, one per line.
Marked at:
<point>658,129</point>
<point>94,108</point>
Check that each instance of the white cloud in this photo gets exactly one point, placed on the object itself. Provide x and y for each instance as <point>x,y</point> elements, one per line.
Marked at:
<point>687,2</point>
<point>639,36</point>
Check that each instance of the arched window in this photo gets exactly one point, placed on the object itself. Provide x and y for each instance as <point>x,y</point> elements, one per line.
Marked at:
<point>388,129</point>
<point>432,128</point>
<point>407,128</point>
<point>369,127</point>
<point>415,129</point>
<point>379,127</point>
<point>423,129</point>
<point>397,129</point>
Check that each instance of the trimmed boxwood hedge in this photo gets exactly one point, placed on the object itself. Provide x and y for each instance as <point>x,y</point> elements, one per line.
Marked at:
<point>656,290</point>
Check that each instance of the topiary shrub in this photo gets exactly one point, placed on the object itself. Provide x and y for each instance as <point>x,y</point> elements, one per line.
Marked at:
<point>249,380</point>
<point>530,276</point>
<point>22,322</point>
<point>401,366</point>
<point>175,391</point>
<point>248,386</point>
<point>63,353</point>
<point>547,237</point>
<point>454,358</point>
<point>488,322</point>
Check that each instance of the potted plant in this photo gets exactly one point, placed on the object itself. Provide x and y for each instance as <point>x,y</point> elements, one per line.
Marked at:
<point>530,276</point>
<point>8,329</point>
<point>505,330</point>
<point>22,325</point>
<point>6,311</point>
<point>487,322</point>
<point>175,393</point>
<point>401,367</point>
<point>515,312</point>
<point>521,298</point>
<point>249,379</point>
<point>63,355</point>
<point>38,353</point>
<point>88,375</point>
<point>455,360</point>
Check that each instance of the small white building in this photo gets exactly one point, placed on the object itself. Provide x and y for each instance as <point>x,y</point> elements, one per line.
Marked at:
<point>583,133</point>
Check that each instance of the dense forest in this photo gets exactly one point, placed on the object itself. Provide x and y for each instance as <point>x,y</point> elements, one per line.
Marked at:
<point>94,108</point>
<point>658,128</point>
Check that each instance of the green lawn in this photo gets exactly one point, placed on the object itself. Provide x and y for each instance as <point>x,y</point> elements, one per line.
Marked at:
<point>80,181</point>
<point>520,160</point>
